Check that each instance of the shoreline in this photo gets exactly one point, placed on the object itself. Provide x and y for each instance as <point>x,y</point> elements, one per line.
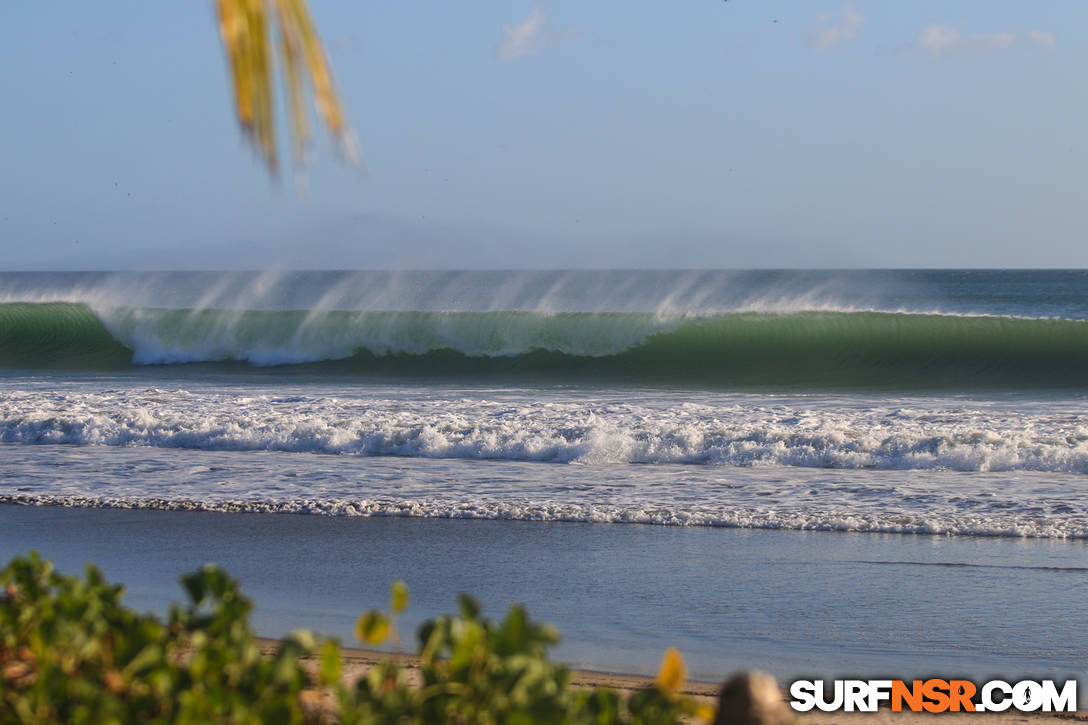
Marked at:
<point>402,510</point>
<point>357,661</point>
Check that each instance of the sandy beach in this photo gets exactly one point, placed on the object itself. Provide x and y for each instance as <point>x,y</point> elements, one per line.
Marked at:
<point>358,661</point>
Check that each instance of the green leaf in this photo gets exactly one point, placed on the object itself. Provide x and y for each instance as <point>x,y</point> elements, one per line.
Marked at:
<point>330,662</point>
<point>470,608</point>
<point>194,586</point>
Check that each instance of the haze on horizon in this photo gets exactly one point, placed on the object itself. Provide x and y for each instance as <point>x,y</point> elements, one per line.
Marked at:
<point>559,134</point>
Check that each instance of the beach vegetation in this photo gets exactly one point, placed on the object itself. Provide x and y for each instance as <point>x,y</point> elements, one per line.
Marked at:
<point>71,651</point>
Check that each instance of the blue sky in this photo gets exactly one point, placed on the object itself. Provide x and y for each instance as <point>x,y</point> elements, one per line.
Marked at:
<point>745,133</point>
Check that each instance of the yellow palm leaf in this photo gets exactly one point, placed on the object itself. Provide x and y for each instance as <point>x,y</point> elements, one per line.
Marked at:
<point>245,27</point>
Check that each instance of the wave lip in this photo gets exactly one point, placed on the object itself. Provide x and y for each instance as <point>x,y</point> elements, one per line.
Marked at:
<point>807,348</point>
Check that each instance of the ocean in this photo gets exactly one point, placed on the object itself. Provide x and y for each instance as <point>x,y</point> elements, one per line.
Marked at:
<point>887,423</point>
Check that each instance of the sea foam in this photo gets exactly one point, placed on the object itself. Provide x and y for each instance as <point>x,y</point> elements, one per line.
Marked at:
<point>601,430</point>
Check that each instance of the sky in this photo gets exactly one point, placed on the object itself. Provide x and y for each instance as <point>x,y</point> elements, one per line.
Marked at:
<point>559,134</point>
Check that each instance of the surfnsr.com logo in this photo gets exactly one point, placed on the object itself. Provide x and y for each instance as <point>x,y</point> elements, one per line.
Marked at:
<point>934,695</point>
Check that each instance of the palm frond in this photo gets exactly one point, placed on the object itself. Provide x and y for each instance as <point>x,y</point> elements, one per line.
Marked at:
<point>246,27</point>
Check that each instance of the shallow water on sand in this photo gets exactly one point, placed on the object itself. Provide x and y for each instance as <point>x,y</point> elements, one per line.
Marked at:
<point>794,603</point>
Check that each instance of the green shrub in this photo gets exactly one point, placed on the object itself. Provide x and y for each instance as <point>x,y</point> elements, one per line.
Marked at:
<point>71,652</point>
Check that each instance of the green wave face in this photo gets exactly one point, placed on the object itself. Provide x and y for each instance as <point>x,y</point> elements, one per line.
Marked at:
<point>823,349</point>
<point>57,335</point>
<point>874,348</point>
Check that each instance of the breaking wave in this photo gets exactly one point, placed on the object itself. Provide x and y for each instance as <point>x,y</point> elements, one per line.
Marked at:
<point>830,348</point>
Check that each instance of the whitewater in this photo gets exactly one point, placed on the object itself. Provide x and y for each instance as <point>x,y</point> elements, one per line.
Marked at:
<point>918,402</point>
